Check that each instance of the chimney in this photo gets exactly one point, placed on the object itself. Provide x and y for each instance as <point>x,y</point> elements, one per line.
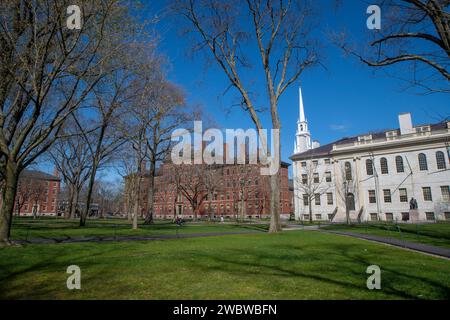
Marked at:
<point>405,121</point>
<point>315,144</point>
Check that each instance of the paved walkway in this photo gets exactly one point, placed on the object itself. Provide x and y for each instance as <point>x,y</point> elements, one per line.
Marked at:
<point>130,238</point>
<point>437,251</point>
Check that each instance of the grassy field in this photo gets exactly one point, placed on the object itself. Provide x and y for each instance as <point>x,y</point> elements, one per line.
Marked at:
<point>436,234</point>
<point>46,228</point>
<point>291,265</point>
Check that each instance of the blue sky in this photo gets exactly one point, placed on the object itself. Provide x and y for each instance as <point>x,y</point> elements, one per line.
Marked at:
<point>346,98</point>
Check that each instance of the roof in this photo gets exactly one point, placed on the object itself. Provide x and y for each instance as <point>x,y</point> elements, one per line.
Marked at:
<point>34,174</point>
<point>327,149</point>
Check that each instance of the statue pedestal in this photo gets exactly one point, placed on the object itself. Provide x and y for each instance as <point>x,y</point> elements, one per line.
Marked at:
<point>414,215</point>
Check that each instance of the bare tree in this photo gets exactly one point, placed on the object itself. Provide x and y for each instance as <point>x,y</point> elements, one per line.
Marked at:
<point>24,192</point>
<point>167,112</point>
<point>415,33</point>
<point>191,184</point>
<point>118,93</point>
<point>73,160</point>
<point>281,32</point>
<point>47,70</point>
<point>346,186</point>
<point>311,185</point>
<point>37,194</point>
<point>131,169</point>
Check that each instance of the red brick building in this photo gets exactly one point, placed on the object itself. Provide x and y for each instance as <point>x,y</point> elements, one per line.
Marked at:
<point>37,193</point>
<point>239,191</point>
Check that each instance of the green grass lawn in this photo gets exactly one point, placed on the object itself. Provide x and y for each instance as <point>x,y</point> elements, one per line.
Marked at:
<point>436,234</point>
<point>45,228</point>
<point>290,265</point>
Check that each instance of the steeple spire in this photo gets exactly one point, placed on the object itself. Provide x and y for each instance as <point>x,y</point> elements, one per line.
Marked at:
<point>302,110</point>
<point>302,137</point>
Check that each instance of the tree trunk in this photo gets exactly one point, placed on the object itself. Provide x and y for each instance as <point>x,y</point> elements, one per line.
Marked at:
<point>8,196</point>
<point>135,216</point>
<point>310,211</point>
<point>151,192</point>
<point>275,204</point>
<point>196,209</point>
<point>85,212</point>
<point>347,211</point>
<point>68,210</point>
<point>75,204</point>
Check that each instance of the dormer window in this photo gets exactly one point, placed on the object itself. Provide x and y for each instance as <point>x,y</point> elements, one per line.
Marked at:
<point>423,129</point>
<point>365,138</point>
<point>391,134</point>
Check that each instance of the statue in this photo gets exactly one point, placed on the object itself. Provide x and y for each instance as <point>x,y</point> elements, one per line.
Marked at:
<point>413,204</point>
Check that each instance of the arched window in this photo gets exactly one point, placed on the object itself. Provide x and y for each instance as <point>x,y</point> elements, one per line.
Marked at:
<point>351,202</point>
<point>369,167</point>
<point>423,165</point>
<point>384,166</point>
<point>440,160</point>
<point>348,171</point>
<point>399,164</point>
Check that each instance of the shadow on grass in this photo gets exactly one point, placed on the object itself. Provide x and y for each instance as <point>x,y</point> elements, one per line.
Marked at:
<point>355,265</point>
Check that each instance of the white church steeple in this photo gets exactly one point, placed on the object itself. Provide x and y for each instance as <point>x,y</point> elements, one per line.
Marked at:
<point>302,137</point>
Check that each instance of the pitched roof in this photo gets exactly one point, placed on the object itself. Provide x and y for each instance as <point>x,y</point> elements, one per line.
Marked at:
<point>327,149</point>
<point>35,174</point>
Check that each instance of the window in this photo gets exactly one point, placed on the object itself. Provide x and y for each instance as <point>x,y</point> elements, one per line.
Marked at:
<point>315,163</point>
<point>389,217</point>
<point>369,167</point>
<point>405,216</point>
<point>304,179</point>
<point>306,216</point>
<point>304,164</point>
<point>423,165</point>
<point>305,200</point>
<point>348,171</point>
<point>447,216</point>
<point>318,217</point>
<point>399,164</point>
<point>427,194</point>
<point>328,176</point>
<point>403,195</point>
<point>316,178</point>
<point>387,195</point>
<point>317,199</point>
<point>374,217</point>
<point>372,196</point>
<point>440,160</point>
<point>327,161</point>
<point>384,166</point>
<point>430,216</point>
<point>329,198</point>
<point>445,190</point>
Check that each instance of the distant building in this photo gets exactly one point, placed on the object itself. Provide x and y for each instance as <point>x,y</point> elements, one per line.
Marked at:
<point>37,194</point>
<point>238,186</point>
<point>393,175</point>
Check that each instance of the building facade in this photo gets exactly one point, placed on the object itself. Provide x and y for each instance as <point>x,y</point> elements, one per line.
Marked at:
<point>37,194</point>
<point>239,191</point>
<point>394,175</point>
